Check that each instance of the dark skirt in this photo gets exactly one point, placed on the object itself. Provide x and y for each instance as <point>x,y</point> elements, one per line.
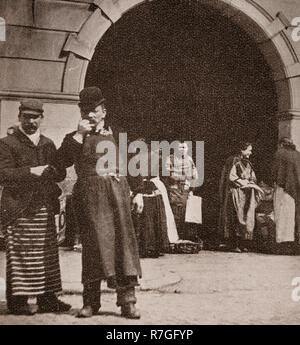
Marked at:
<point>234,231</point>
<point>151,227</point>
<point>109,245</point>
<point>32,256</point>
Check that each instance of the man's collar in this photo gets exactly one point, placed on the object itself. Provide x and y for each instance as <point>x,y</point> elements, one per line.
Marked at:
<point>23,137</point>
<point>99,127</point>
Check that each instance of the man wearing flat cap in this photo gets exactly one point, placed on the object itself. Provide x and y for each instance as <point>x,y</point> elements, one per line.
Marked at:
<point>29,202</point>
<point>102,199</point>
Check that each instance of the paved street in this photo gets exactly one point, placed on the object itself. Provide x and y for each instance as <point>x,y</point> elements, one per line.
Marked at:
<point>206,288</point>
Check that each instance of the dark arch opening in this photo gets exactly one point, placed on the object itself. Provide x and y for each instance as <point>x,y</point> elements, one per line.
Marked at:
<point>185,71</point>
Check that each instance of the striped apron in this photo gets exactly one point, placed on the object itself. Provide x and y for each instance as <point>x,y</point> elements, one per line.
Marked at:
<point>32,256</point>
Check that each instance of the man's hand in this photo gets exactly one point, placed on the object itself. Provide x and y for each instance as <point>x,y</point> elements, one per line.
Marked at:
<point>38,171</point>
<point>138,203</point>
<point>84,127</point>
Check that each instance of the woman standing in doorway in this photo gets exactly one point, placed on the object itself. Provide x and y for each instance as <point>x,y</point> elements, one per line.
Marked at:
<point>239,197</point>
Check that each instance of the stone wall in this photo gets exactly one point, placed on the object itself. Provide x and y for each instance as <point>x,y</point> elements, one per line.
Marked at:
<point>32,61</point>
<point>49,44</point>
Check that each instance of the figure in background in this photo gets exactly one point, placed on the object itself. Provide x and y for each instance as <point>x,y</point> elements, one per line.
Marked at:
<point>29,203</point>
<point>151,224</point>
<point>239,197</point>
<point>286,176</point>
<point>160,185</point>
<point>102,203</point>
<point>265,232</point>
<point>183,172</point>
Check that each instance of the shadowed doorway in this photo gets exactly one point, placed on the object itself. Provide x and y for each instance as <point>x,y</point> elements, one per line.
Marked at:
<point>183,71</point>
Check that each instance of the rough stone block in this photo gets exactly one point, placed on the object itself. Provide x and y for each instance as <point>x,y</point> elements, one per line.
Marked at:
<point>85,42</point>
<point>17,12</point>
<point>293,70</point>
<point>24,42</point>
<point>290,8</point>
<point>61,15</point>
<point>111,8</point>
<point>31,75</point>
<point>275,27</point>
<point>79,47</point>
<point>74,74</point>
<point>94,28</point>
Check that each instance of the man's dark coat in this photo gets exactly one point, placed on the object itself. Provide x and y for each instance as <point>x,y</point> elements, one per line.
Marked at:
<point>25,193</point>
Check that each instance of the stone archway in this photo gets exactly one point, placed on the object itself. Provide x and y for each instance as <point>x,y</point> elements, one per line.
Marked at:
<point>188,72</point>
<point>269,34</point>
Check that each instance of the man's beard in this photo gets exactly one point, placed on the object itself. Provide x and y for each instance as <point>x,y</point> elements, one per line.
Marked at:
<point>30,129</point>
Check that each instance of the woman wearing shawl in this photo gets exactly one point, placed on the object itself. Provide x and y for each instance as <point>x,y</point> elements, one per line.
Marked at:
<point>239,197</point>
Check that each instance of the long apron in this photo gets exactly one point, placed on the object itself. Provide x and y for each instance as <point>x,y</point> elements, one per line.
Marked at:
<point>284,211</point>
<point>32,256</point>
<point>151,227</point>
<point>109,245</point>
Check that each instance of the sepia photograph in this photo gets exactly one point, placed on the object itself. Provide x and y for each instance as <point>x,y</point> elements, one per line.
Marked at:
<point>150,164</point>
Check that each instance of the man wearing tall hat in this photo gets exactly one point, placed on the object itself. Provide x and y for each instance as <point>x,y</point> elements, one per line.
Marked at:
<point>29,202</point>
<point>102,200</point>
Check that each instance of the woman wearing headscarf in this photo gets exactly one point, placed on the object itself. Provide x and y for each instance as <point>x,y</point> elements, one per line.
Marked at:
<point>239,197</point>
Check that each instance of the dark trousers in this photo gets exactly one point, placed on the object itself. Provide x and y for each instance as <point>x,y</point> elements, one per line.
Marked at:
<point>92,295</point>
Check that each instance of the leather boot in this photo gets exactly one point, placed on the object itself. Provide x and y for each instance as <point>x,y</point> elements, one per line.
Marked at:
<point>86,311</point>
<point>18,305</point>
<point>127,300</point>
<point>129,311</point>
<point>91,299</point>
<point>49,303</point>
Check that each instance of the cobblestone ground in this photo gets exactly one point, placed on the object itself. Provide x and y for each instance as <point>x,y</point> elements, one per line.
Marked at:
<point>216,288</point>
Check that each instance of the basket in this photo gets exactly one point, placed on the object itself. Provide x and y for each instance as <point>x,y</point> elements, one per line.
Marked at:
<point>185,247</point>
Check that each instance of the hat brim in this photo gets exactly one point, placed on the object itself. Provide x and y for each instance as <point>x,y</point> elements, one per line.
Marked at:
<point>91,105</point>
<point>101,102</point>
<point>31,111</point>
